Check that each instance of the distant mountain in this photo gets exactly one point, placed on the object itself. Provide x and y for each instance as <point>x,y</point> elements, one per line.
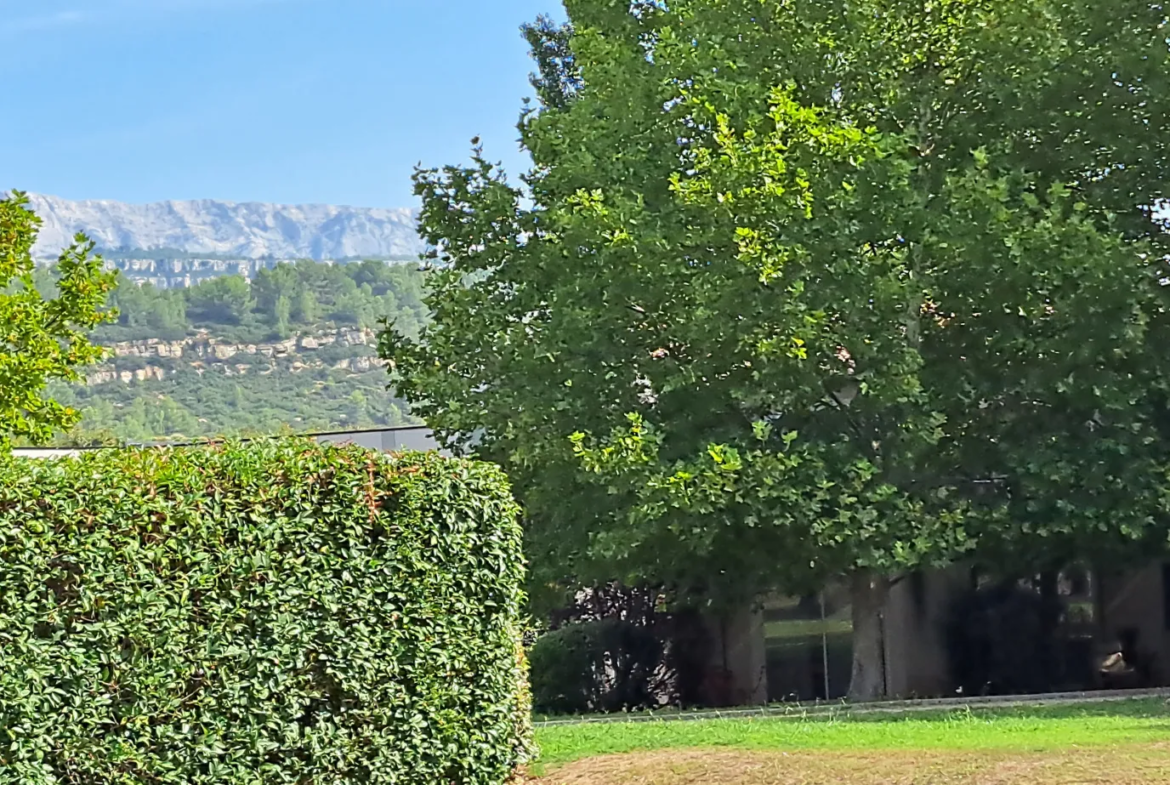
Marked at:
<point>248,230</point>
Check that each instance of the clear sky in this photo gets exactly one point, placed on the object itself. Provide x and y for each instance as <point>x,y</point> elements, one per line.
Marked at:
<point>291,101</point>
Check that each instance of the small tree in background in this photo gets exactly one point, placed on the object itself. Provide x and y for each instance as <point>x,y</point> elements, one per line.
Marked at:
<point>43,338</point>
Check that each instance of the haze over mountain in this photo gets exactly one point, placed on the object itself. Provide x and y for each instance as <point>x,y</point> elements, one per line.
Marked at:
<point>238,229</point>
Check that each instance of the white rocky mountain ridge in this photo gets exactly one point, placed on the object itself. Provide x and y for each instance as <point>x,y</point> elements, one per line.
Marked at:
<point>247,230</point>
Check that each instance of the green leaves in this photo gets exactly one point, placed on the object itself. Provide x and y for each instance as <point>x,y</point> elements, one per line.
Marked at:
<point>43,339</point>
<point>916,236</point>
<point>274,613</point>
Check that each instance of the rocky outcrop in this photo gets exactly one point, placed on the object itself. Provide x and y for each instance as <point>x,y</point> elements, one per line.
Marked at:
<point>204,353</point>
<point>358,364</point>
<point>167,273</point>
<point>206,347</point>
<point>248,230</point>
<point>106,375</point>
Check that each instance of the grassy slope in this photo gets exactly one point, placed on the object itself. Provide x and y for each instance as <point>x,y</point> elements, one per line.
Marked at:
<point>1019,730</point>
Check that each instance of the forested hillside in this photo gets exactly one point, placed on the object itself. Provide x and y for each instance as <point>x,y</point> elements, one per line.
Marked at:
<point>291,349</point>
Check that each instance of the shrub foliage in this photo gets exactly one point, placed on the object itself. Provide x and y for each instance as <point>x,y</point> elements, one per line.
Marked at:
<point>276,613</point>
<point>607,665</point>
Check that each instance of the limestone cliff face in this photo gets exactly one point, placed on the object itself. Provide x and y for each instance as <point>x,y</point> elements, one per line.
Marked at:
<point>247,230</point>
<point>205,353</point>
<point>107,375</point>
<point>181,273</point>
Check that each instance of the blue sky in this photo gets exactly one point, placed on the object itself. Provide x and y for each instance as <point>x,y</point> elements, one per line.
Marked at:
<point>292,101</point>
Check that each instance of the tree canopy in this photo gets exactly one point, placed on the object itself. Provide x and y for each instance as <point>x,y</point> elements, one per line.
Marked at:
<point>288,297</point>
<point>789,284</point>
<point>45,337</point>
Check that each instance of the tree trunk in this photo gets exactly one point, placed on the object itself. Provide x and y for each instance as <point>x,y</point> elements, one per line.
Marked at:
<point>1049,625</point>
<point>868,592</point>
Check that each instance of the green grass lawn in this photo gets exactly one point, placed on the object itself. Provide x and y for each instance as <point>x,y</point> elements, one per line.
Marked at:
<point>1014,732</point>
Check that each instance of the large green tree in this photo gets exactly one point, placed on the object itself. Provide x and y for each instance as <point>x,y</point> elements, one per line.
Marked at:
<point>788,283</point>
<point>44,337</point>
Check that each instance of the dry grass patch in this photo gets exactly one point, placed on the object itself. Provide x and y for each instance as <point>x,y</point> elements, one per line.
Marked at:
<point>1129,765</point>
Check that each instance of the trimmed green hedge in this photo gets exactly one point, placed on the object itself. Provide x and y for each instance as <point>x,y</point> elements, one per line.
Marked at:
<point>274,613</point>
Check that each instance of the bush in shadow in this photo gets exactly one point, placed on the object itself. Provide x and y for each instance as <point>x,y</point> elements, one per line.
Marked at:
<point>1000,640</point>
<point>607,665</point>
